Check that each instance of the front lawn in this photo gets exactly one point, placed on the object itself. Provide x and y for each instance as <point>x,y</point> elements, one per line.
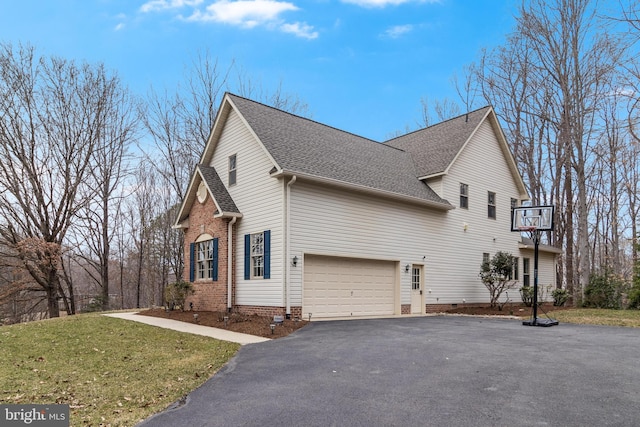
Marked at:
<point>595,316</point>
<point>110,371</point>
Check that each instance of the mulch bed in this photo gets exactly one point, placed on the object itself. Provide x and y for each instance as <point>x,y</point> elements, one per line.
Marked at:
<point>260,325</point>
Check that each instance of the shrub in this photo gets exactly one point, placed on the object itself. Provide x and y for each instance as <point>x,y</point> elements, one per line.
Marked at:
<point>603,291</point>
<point>495,276</point>
<point>176,293</point>
<point>95,304</point>
<point>526,293</point>
<point>560,297</point>
<point>634,298</point>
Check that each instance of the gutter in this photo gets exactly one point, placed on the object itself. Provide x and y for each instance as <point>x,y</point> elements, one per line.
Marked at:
<point>288,249</point>
<point>230,262</point>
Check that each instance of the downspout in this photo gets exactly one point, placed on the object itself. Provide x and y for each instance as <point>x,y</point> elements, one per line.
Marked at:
<point>230,262</point>
<point>288,251</point>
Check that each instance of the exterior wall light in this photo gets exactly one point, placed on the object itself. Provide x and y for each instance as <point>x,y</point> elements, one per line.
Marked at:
<point>294,262</point>
<point>406,268</point>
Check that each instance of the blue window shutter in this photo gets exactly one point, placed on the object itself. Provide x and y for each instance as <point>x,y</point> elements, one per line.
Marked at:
<point>247,256</point>
<point>214,267</point>
<point>192,262</point>
<point>267,254</point>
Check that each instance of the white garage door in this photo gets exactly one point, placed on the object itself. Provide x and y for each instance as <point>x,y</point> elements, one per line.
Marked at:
<point>340,287</point>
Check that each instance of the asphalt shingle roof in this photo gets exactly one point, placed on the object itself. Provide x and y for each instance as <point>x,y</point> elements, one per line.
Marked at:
<point>434,148</point>
<point>220,193</point>
<point>303,146</point>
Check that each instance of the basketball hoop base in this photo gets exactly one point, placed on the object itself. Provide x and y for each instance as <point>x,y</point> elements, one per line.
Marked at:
<point>541,322</point>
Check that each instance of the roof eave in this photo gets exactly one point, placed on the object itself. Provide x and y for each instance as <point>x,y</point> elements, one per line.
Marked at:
<point>543,248</point>
<point>228,215</point>
<point>364,189</point>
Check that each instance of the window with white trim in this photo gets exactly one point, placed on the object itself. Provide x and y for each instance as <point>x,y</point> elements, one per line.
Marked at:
<point>491,205</point>
<point>257,255</point>
<point>464,196</point>
<point>514,274</point>
<point>526,271</point>
<point>204,259</point>
<point>233,163</point>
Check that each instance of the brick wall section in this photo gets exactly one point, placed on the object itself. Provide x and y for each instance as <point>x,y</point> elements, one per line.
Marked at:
<point>405,309</point>
<point>439,308</point>
<point>209,295</point>
<point>268,311</point>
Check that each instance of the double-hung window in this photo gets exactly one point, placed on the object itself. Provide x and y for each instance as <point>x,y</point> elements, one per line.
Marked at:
<point>204,257</point>
<point>257,255</point>
<point>526,272</point>
<point>464,196</point>
<point>514,273</point>
<point>233,165</point>
<point>491,205</point>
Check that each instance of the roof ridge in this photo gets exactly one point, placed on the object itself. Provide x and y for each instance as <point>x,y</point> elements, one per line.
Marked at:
<point>438,124</point>
<point>314,121</point>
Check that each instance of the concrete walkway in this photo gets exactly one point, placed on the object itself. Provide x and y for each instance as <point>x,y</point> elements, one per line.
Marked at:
<point>190,328</point>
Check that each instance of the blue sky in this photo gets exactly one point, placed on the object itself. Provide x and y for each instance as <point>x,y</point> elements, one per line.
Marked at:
<point>360,65</point>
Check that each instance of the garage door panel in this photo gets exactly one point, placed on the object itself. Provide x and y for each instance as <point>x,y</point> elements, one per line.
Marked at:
<point>339,287</point>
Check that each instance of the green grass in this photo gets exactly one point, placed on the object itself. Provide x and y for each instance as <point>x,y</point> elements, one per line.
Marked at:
<point>110,371</point>
<point>594,316</point>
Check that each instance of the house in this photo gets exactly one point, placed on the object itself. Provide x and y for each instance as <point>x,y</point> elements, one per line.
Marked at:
<point>288,216</point>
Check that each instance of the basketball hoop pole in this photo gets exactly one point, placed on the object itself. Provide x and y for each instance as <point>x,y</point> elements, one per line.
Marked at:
<point>535,234</point>
<point>536,243</point>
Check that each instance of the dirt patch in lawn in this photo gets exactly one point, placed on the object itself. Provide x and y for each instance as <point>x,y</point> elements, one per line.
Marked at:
<point>236,322</point>
<point>519,310</point>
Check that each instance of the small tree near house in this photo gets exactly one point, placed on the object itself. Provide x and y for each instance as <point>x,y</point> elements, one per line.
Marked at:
<point>175,294</point>
<point>496,276</point>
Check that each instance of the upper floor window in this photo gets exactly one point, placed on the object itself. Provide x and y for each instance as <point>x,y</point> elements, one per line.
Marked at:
<point>514,203</point>
<point>232,169</point>
<point>491,205</point>
<point>486,257</point>
<point>464,196</point>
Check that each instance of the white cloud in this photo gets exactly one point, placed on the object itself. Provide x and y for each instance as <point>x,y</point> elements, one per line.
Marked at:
<point>245,13</point>
<point>300,29</point>
<point>119,27</point>
<point>398,30</point>
<point>156,5</point>
<point>242,13</point>
<point>384,3</point>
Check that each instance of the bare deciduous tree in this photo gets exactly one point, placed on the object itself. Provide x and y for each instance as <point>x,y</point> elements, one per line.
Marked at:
<point>51,121</point>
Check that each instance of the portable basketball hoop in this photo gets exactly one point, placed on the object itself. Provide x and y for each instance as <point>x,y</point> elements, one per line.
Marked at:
<point>533,220</point>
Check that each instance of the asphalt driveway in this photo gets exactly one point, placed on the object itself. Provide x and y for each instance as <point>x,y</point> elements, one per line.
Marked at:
<point>427,371</point>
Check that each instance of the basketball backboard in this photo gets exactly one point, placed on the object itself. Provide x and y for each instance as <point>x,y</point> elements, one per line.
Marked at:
<point>529,218</point>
